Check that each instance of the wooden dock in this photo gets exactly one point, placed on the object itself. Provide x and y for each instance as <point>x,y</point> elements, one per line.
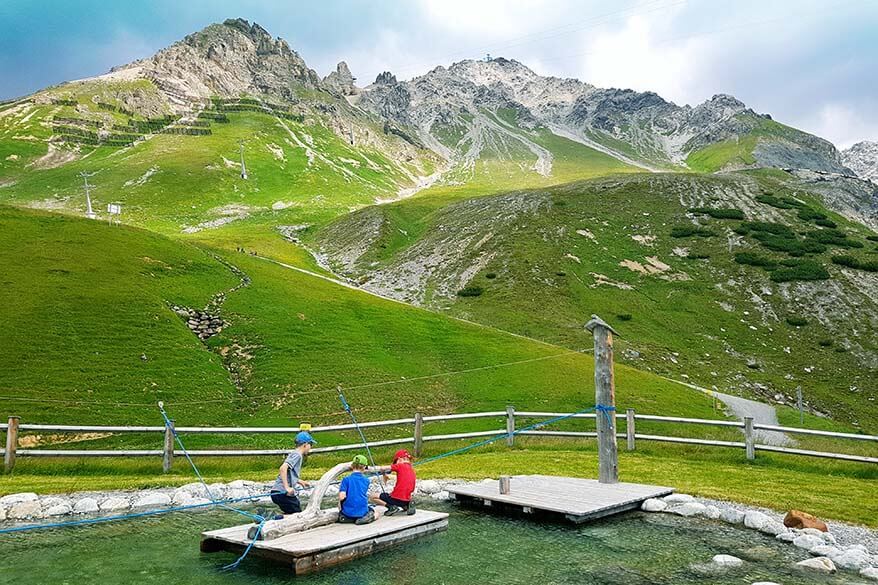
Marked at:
<point>326,546</point>
<point>573,499</point>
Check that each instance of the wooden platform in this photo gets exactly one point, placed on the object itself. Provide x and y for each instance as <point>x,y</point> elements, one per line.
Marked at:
<point>576,500</point>
<point>325,546</point>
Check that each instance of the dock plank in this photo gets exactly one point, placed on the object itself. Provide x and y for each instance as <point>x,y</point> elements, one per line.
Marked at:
<point>575,498</point>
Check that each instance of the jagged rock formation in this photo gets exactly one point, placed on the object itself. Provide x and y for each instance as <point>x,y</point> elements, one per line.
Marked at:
<point>341,80</point>
<point>862,158</point>
<point>640,128</point>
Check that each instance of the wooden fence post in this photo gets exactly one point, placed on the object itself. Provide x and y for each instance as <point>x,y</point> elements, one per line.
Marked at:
<point>504,484</point>
<point>605,398</point>
<point>748,438</point>
<point>629,428</point>
<point>11,443</point>
<point>419,433</point>
<point>168,455</point>
<point>510,426</point>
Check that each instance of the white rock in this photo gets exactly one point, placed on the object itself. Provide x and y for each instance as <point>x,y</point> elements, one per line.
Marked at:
<point>85,506</point>
<point>853,559</point>
<point>217,489</point>
<point>22,510</point>
<point>114,504</point>
<point>154,500</point>
<point>727,561</point>
<point>180,497</point>
<point>18,498</point>
<point>441,496</point>
<point>870,573</point>
<point>688,510</point>
<point>807,541</point>
<point>429,486</point>
<point>773,528</point>
<point>754,519</point>
<point>787,536</point>
<point>812,532</point>
<point>825,550</point>
<point>711,512</point>
<point>653,505</point>
<point>59,510</point>
<point>861,547</point>
<point>332,490</point>
<point>828,538</point>
<point>52,501</point>
<point>2,513</point>
<point>237,493</point>
<point>731,516</point>
<point>678,499</point>
<point>819,564</point>
<point>237,484</point>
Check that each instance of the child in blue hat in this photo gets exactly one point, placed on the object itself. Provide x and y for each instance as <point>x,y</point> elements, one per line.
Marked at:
<point>283,493</point>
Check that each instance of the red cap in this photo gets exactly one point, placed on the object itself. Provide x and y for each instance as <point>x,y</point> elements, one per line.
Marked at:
<point>402,453</point>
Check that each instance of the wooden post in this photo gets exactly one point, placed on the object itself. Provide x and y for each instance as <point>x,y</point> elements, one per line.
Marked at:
<point>168,455</point>
<point>800,405</point>
<point>419,433</point>
<point>605,397</point>
<point>504,484</point>
<point>748,437</point>
<point>11,443</point>
<point>510,426</point>
<point>629,428</point>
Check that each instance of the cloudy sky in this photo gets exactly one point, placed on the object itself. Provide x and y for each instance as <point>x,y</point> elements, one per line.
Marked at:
<point>810,63</point>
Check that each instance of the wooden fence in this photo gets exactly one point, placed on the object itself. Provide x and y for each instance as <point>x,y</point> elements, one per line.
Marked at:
<point>168,451</point>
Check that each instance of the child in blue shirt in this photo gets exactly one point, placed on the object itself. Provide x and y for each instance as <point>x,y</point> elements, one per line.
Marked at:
<point>353,500</point>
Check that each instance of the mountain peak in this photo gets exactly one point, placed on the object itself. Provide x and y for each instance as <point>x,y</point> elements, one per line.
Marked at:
<point>341,80</point>
<point>862,158</point>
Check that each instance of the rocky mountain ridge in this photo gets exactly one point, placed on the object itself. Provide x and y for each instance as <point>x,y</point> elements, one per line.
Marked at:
<point>862,158</point>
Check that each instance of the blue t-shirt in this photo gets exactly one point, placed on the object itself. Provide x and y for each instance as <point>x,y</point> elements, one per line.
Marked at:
<point>356,503</point>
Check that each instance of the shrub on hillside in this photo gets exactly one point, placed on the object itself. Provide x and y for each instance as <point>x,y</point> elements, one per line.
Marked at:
<point>797,320</point>
<point>824,343</point>
<point>833,237</point>
<point>695,255</point>
<point>826,222</point>
<point>470,291</point>
<point>719,212</point>
<point>752,259</point>
<point>854,262</point>
<point>491,275</point>
<point>804,270</point>
<point>624,317</point>
<point>685,231</point>
<point>808,214</point>
<point>872,238</point>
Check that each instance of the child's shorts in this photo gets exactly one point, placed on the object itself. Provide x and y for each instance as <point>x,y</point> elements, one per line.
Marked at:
<point>391,501</point>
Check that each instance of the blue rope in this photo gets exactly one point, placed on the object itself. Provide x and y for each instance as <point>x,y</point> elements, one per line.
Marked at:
<point>606,410</point>
<point>118,517</point>
<point>347,408</point>
<point>233,566</point>
<point>504,436</point>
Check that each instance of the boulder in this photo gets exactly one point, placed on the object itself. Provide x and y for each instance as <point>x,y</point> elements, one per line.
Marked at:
<point>678,499</point>
<point>23,510</point>
<point>181,497</point>
<point>731,516</point>
<point>755,520</point>
<point>653,505</point>
<point>154,500</point>
<point>688,510</point>
<point>787,536</point>
<point>18,498</point>
<point>853,558</point>
<point>799,519</point>
<point>237,493</point>
<point>828,538</point>
<point>773,528</point>
<point>85,506</point>
<point>239,484</point>
<point>811,531</point>
<point>819,564</point>
<point>870,573</point>
<point>114,505</point>
<point>429,487</point>
<point>711,512</point>
<point>52,501</point>
<point>807,541</point>
<point>825,550</point>
<point>59,510</point>
<point>2,513</point>
<point>441,496</point>
<point>727,561</point>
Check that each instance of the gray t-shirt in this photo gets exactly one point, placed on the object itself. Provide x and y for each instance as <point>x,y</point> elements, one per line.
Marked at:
<point>294,462</point>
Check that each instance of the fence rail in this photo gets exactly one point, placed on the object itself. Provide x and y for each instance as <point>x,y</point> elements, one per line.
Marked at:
<point>13,427</point>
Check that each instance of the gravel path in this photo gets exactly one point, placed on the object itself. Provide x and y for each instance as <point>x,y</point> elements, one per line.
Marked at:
<point>762,414</point>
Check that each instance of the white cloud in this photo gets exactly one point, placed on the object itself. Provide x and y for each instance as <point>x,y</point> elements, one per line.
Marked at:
<point>841,124</point>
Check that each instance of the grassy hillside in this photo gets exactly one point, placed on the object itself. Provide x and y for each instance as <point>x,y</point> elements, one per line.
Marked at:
<point>91,339</point>
<point>723,301</point>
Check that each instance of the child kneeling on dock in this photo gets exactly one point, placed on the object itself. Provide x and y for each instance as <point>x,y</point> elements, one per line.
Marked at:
<point>283,493</point>
<point>401,497</point>
<point>353,501</point>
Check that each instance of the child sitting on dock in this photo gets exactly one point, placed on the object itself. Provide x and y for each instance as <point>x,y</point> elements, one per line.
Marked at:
<point>401,497</point>
<point>353,501</point>
<point>283,493</point>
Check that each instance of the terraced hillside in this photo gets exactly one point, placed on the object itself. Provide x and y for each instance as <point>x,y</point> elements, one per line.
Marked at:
<point>731,281</point>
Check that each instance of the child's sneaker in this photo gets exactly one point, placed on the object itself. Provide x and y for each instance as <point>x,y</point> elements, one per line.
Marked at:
<point>367,519</point>
<point>411,509</point>
<point>391,510</point>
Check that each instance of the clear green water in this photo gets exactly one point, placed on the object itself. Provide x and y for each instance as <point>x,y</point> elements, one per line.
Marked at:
<point>633,549</point>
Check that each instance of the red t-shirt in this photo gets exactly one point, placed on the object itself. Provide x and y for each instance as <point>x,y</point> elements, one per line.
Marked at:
<point>405,481</point>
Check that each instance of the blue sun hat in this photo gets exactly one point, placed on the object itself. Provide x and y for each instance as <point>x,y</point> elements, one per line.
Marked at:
<point>305,437</point>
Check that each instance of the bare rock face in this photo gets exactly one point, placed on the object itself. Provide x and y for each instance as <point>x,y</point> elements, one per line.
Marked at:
<point>341,80</point>
<point>862,159</point>
<point>229,60</point>
<point>799,519</point>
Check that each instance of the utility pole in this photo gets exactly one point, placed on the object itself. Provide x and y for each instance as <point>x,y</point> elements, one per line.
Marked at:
<point>605,400</point>
<point>243,167</point>
<point>89,212</point>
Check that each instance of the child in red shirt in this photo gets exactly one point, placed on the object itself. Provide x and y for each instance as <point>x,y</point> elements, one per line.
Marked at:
<point>401,497</point>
